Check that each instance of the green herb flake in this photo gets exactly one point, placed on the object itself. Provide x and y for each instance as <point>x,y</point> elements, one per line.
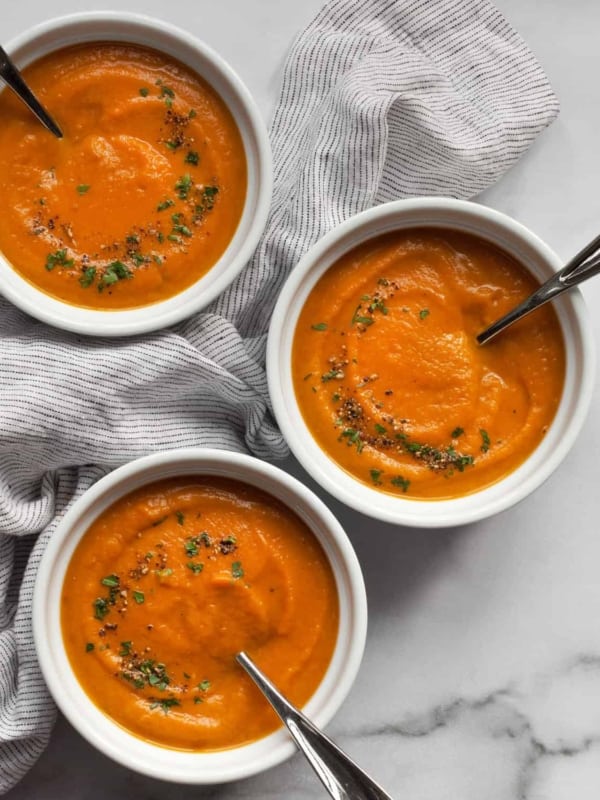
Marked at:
<point>88,277</point>
<point>173,238</point>
<point>165,704</point>
<point>204,686</point>
<point>83,188</point>
<point>195,566</point>
<point>192,157</point>
<point>320,326</point>
<point>192,113</point>
<point>89,647</point>
<point>403,483</point>
<point>333,374</point>
<point>457,432</point>
<point>380,429</point>
<point>138,596</point>
<point>101,609</point>
<point>198,699</point>
<point>375,476</point>
<point>359,319</point>
<point>485,440</point>
<point>180,517</point>
<point>237,570</point>
<point>191,546</point>
<point>183,230</point>
<point>116,271</point>
<point>125,648</point>
<point>183,186</point>
<point>423,313</point>
<point>144,92</point>
<point>162,206</point>
<point>112,581</point>
<point>354,438</point>
<point>58,259</point>
<point>335,398</point>
<point>164,573</point>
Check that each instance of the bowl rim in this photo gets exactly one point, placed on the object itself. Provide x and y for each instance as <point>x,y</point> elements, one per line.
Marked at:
<point>438,212</point>
<point>89,26</point>
<point>107,735</point>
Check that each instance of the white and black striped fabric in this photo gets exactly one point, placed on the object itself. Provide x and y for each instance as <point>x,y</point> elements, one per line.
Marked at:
<point>380,100</point>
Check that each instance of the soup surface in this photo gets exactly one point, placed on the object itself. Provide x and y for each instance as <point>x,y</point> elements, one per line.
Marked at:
<point>142,195</point>
<point>170,583</point>
<point>389,376</point>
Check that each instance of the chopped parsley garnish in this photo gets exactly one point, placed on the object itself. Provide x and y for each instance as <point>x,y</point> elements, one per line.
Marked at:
<point>183,230</point>
<point>198,699</point>
<point>183,186</point>
<point>58,259</point>
<point>378,305</point>
<point>331,375</point>
<point>83,188</point>
<point>353,437</point>
<point>89,647</point>
<point>195,566</point>
<point>403,483</point>
<point>165,704</point>
<point>320,326</point>
<point>144,92</point>
<point>457,432</point>
<point>112,581</point>
<point>359,319</point>
<point>88,277</point>
<point>236,569</point>
<point>125,648</point>
<point>173,145</point>
<point>485,440</point>
<point>173,238</point>
<point>380,429</point>
<point>138,596</point>
<point>423,313</point>
<point>164,573</point>
<point>192,157</point>
<point>204,686</point>
<point>375,476</point>
<point>335,397</point>
<point>191,546</point>
<point>180,517</point>
<point>116,271</point>
<point>165,204</point>
<point>101,608</point>
<point>192,113</point>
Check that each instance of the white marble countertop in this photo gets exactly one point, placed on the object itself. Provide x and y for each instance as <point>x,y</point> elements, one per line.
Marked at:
<point>481,676</point>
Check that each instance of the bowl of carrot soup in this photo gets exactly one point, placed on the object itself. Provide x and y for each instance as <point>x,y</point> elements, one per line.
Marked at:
<point>378,382</point>
<point>159,575</point>
<point>156,195</point>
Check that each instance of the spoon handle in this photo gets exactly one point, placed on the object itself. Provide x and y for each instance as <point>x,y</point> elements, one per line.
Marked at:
<point>14,79</point>
<point>342,778</point>
<point>584,265</point>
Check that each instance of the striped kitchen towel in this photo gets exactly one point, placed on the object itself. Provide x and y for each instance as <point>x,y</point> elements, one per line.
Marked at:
<point>380,100</point>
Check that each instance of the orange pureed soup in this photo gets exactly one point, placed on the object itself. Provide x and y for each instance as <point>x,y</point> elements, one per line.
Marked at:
<point>142,195</point>
<point>389,376</point>
<point>170,583</point>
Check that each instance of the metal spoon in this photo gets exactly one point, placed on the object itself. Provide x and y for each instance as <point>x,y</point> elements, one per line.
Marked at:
<point>584,265</point>
<point>14,79</point>
<point>342,778</point>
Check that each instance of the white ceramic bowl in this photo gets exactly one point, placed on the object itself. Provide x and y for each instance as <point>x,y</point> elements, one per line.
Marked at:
<point>100,730</point>
<point>125,27</point>
<point>512,237</point>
